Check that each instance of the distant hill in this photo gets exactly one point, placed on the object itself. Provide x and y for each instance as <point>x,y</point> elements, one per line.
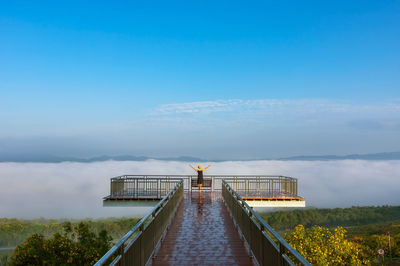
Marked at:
<point>56,159</point>
<point>372,156</point>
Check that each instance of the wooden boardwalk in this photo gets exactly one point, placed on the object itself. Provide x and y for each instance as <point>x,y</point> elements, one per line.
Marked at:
<point>202,233</point>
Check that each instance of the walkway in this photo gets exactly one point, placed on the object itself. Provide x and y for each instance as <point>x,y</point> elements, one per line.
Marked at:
<point>202,233</point>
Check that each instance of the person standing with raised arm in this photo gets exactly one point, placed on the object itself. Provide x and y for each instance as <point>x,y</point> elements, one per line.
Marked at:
<point>200,169</point>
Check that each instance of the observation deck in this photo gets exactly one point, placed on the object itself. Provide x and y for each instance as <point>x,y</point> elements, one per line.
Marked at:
<point>215,226</point>
<point>258,191</point>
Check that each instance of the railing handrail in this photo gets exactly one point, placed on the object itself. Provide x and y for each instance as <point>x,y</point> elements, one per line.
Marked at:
<point>125,185</point>
<point>267,226</point>
<point>121,242</point>
<point>217,176</point>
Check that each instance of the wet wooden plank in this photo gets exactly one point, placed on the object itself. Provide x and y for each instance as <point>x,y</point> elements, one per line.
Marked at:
<point>202,233</point>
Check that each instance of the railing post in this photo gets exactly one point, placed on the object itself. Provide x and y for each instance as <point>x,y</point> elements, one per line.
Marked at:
<point>121,252</point>
<point>281,253</point>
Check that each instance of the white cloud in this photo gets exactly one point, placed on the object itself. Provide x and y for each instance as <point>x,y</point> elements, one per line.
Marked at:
<point>266,114</point>
<point>75,190</point>
<point>307,106</point>
<point>198,107</point>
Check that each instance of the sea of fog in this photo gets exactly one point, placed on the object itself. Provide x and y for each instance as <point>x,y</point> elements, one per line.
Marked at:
<point>75,190</point>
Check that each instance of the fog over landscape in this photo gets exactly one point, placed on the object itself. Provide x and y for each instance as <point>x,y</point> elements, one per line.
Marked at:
<point>75,190</point>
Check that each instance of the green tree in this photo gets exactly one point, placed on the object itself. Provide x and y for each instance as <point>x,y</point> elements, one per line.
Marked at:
<point>78,245</point>
<point>371,244</point>
<point>320,246</point>
<point>4,260</point>
<point>282,220</point>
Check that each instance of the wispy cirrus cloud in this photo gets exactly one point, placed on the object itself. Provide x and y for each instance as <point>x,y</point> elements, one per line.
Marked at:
<point>289,115</point>
<point>199,107</point>
<point>229,105</point>
<point>282,109</point>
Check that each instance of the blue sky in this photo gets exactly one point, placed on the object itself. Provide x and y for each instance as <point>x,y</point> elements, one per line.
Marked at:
<point>215,80</point>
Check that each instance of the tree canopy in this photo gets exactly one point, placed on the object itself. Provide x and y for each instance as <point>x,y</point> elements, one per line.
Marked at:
<point>77,245</point>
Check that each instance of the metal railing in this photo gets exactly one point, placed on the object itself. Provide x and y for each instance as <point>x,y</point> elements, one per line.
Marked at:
<point>267,246</point>
<point>142,187</point>
<point>138,245</point>
<point>156,186</point>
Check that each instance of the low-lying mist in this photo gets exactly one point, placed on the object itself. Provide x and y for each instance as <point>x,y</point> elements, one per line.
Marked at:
<point>75,190</point>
